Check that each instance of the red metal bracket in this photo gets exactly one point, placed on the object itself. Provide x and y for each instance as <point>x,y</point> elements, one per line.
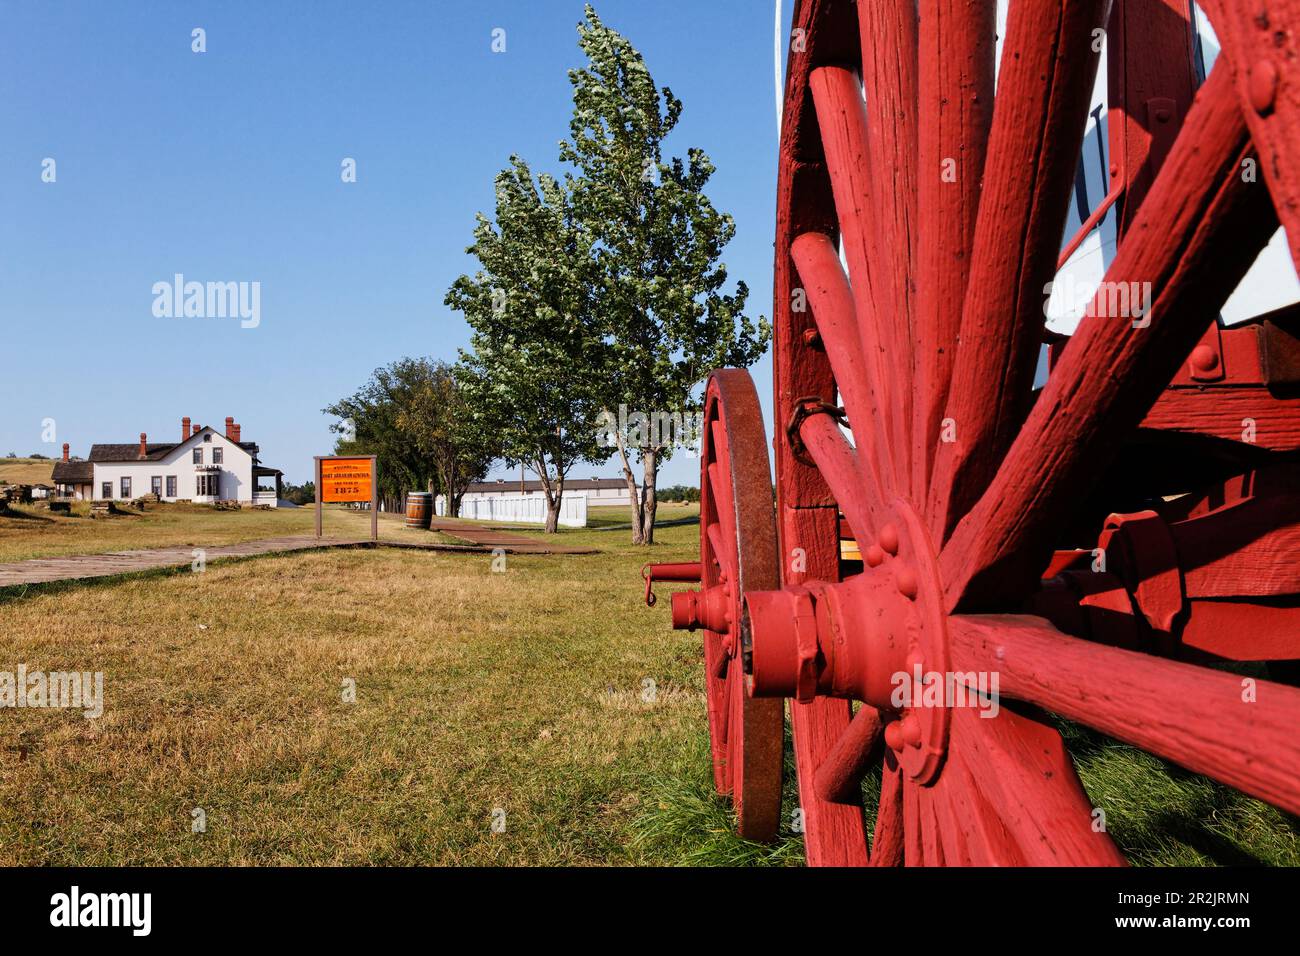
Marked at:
<point>1140,548</point>
<point>804,408</point>
<point>682,571</point>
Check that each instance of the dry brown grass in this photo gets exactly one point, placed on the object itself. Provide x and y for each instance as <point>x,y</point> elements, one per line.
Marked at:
<point>475,690</point>
<point>32,531</point>
<point>25,471</point>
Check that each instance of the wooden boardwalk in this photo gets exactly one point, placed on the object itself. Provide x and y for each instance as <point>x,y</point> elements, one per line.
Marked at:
<point>82,567</point>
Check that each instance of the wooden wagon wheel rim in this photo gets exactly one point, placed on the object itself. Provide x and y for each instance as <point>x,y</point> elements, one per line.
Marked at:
<point>909,357</point>
<point>738,553</point>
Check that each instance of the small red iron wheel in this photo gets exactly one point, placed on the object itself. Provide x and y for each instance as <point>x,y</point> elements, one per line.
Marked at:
<point>920,222</point>
<point>737,553</point>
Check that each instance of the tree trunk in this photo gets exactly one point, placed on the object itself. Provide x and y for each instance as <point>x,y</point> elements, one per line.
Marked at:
<point>632,496</point>
<point>649,503</point>
<point>553,502</point>
<point>554,492</point>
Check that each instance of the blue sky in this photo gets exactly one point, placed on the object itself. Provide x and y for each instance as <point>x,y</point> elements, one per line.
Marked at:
<point>225,166</point>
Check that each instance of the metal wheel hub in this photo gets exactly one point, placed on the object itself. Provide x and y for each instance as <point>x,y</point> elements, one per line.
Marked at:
<point>880,637</point>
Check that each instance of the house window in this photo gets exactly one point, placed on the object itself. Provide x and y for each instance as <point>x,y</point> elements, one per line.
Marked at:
<point>198,456</point>
<point>107,489</point>
<point>207,436</point>
<point>155,485</point>
<point>217,455</point>
<point>209,486</point>
<point>171,486</point>
<point>126,487</point>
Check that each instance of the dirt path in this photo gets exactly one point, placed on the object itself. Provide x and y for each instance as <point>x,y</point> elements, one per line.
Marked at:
<point>84,566</point>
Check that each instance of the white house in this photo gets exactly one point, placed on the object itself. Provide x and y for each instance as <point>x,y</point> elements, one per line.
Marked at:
<point>204,466</point>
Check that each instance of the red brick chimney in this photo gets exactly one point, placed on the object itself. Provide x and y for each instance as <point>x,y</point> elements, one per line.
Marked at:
<point>197,428</point>
<point>65,451</point>
<point>235,431</point>
<point>144,449</point>
<point>230,427</point>
<point>185,428</point>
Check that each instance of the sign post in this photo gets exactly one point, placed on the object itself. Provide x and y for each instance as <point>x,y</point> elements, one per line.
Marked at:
<point>348,478</point>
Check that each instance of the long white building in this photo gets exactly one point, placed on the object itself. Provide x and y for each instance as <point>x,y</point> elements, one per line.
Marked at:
<point>597,491</point>
<point>205,466</point>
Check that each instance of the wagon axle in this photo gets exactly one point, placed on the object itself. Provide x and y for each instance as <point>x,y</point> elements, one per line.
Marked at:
<point>865,638</point>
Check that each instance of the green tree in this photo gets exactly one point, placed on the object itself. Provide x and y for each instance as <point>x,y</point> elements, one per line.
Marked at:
<point>303,494</point>
<point>537,361</point>
<point>414,417</point>
<point>657,240</point>
<point>451,430</point>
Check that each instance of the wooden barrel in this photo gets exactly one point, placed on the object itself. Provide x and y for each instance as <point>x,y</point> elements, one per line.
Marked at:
<point>419,509</point>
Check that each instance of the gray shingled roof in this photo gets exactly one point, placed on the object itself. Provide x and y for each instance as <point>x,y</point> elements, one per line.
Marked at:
<point>73,473</point>
<point>129,452</point>
<point>154,450</point>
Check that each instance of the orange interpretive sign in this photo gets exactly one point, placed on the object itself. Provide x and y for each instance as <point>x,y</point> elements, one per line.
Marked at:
<point>347,479</point>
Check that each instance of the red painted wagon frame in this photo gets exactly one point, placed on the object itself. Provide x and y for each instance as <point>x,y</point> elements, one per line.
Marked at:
<point>1034,535</point>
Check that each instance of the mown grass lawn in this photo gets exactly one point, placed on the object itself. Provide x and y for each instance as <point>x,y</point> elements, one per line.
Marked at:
<point>548,692</point>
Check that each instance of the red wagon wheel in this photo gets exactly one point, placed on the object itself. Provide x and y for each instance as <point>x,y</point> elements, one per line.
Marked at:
<point>948,207</point>
<point>737,554</point>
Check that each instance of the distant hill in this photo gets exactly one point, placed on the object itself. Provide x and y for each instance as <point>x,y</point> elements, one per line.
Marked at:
<point>26,471</point>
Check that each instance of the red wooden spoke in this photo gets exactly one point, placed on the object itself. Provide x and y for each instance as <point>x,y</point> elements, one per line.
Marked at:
<point>834,831</point>
<point>1028,779</point>
<point>955,97</point>
<point>716,538</point>
<point>718,480</point>
<point>1210,226</point>
<point>987,839</point>
<point>1261,46</point>
<point>933,850</point>
<point>1234,729</point>
<point>887,841</point>
<point>888,30</point>
<point>839,777</point>
<point>832,300</point>
<point>952,840</point>
<point>913,826</point>
<point>842,468</point>
<point>842,117</point>
<point>1032,157</point>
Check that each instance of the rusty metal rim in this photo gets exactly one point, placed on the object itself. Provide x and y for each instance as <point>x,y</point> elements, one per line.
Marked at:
<point>755,756</point>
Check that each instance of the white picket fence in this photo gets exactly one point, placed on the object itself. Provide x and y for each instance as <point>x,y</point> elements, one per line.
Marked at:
<point>518,509</point>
